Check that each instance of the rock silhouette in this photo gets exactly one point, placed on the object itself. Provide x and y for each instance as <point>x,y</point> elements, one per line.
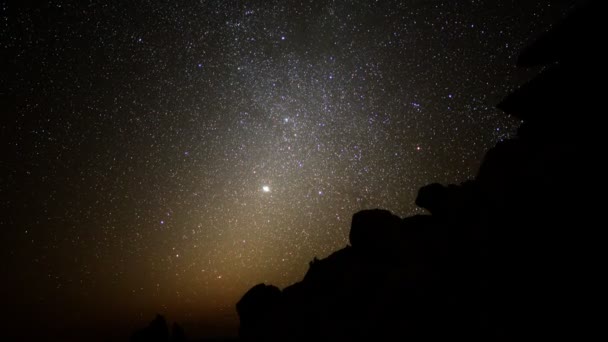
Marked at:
<point>372,230</point>
<point>256,308</point>
<point>158,331</point>
<point>178,334</point>
<point>512,254</point>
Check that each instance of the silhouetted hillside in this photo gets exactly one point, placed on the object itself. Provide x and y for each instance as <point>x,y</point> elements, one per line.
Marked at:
<point>512,254</point>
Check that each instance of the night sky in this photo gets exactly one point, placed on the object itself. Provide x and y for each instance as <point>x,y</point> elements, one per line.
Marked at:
<point>163,156</point>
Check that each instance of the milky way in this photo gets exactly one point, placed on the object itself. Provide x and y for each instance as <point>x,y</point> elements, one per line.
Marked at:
<point>165,157</point>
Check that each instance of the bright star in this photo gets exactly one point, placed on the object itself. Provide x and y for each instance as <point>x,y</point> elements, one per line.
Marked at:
<point>266,188</point>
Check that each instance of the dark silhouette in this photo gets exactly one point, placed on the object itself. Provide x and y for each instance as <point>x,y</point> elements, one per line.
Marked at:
<point>512,254</point>
<point>156,331</point>
<point>178,334</point>
<point>433,198</point>
<point>256,308</point>
<point>372,230</point>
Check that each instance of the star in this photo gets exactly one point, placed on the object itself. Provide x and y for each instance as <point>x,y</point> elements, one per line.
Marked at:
<point>266,188</point>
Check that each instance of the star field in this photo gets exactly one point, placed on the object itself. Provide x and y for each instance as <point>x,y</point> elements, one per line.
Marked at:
<point>165,157</point>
